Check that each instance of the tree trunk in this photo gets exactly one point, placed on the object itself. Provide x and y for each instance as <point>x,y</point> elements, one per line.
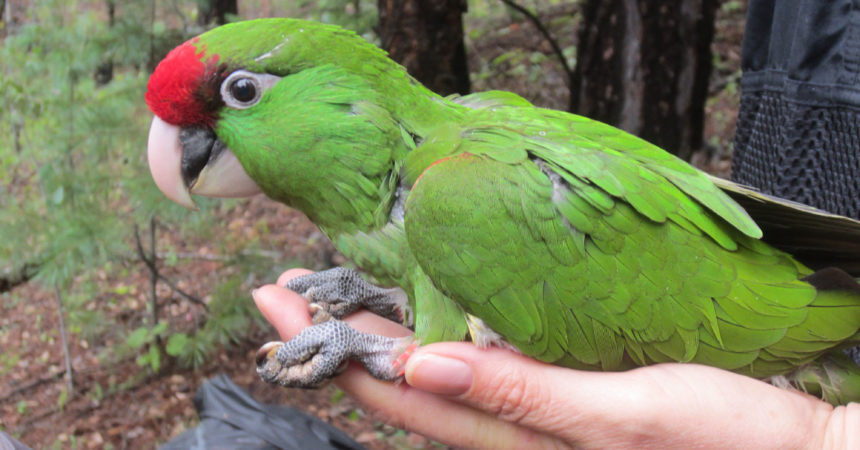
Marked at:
<point>104,72</point>
<point>15,276</point>
<point>13,14</point>
<point>644,67</point>
<point>216,11</point>
<point>426,36</point>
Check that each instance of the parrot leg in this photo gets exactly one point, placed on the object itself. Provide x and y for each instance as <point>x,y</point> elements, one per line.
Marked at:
<point>337,292</point>
<point>322,351</point>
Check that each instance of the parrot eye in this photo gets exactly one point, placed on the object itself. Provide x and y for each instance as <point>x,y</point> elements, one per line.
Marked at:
<point>243,89</point>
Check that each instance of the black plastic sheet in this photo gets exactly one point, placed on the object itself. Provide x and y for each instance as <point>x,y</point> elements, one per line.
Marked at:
<point>231,419</point>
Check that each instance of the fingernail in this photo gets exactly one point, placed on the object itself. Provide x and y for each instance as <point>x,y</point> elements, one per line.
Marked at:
<point>438,374</point>
<point>254,293</point>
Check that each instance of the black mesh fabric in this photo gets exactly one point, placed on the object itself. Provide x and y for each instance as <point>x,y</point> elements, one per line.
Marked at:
<point>798,129</point>
<point>809,154</point>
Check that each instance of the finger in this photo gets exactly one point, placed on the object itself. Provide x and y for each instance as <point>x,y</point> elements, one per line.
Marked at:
<point>288,312</point>
<point>283,308</point>
<point>512,387</point>
<point>583,408</point>
<point>401,406</point>
<point>441,419</point>
<point>290,274</point>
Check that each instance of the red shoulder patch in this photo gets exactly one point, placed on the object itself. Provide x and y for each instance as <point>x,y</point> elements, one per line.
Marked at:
<point>174,91</point>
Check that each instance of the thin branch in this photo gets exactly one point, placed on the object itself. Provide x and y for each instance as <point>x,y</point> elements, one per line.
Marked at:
<point>552,42</point>
<point>176,12</point>
<point>182,293</point>
<point>32,384</point>
<point>151,62</point>
<point>153,279</point>
<point>271,254</point>
<point>150,264</point>
<point>140,379</point>
<point>36,417</point>
<point>60,312</point>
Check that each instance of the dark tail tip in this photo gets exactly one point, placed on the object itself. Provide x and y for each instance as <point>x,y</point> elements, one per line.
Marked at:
<point>833,279</point>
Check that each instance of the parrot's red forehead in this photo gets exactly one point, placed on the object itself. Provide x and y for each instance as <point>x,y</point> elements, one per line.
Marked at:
<point>180,91</point>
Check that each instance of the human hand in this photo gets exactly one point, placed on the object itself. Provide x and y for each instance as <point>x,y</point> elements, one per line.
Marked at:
<point>460,395</point>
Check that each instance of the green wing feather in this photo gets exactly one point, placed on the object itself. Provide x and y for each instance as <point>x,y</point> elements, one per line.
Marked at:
<point>588,247</point>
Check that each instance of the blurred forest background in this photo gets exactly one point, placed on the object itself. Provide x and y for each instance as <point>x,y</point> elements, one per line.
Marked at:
<point>115,304</point>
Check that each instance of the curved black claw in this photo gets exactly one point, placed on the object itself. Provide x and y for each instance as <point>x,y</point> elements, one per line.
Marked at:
<point>321,352</point>
<point>339,291</point>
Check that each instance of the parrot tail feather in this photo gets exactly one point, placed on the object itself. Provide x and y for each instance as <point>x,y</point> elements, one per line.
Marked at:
<point>833,279</point>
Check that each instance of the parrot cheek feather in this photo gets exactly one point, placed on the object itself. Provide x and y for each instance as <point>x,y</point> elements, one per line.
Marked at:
<point>225,178</point>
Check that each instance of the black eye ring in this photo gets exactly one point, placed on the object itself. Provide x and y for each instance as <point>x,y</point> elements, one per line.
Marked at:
<point>244,90</point>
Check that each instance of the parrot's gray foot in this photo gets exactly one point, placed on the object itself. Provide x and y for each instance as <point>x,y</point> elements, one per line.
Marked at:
<point>322,351</point>
<point>337,292</point>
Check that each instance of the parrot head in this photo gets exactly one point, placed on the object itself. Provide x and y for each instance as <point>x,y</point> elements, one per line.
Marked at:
<point>273,106</point>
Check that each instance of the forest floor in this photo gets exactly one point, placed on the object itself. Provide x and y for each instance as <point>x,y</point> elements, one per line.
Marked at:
<point>118,404</point>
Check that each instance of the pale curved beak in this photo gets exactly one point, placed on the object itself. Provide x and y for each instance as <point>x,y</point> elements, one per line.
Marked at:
<point>164,154</point>
<point>212,170</point>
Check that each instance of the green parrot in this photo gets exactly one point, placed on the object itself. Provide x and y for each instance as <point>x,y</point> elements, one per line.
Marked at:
<point>560,237</point>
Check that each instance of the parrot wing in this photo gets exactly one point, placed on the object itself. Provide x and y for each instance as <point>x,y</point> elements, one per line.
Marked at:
<point>587,247</point>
